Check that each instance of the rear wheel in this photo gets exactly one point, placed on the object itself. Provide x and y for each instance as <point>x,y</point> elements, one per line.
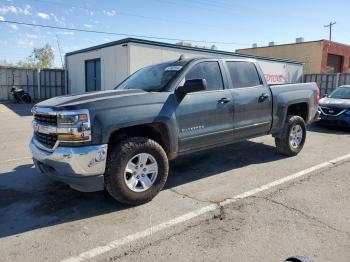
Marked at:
<point>137,170</point>
<point>292,139</point>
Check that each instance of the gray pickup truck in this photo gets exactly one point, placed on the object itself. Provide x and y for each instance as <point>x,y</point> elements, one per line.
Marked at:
<point>121,140</point>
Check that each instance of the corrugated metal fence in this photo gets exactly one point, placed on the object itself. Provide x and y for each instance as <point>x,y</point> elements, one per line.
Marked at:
<point>328,82</point>
<point>50,84</point>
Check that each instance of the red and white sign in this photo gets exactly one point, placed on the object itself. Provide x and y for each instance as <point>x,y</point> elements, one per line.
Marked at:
<point>275,73</point>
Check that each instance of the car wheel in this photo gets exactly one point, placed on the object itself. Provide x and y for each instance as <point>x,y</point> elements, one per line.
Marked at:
<point>137,169</point>
<point>292,139</point>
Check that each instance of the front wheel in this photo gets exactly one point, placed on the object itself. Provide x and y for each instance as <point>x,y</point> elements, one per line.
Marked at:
<point>292,139</point>
<point>26,98</point>
<point>137,169</point>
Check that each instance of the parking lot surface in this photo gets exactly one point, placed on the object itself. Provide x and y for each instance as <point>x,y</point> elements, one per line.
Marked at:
<point>43,220</point>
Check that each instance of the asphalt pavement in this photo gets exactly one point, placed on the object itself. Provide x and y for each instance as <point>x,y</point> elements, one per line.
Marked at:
<point>43,220</point>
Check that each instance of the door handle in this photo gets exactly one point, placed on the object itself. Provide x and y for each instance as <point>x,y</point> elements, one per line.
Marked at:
<point>263,97</point>
<point>224,100</point>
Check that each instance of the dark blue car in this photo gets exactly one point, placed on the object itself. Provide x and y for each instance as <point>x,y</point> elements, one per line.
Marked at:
<point>335,108</point>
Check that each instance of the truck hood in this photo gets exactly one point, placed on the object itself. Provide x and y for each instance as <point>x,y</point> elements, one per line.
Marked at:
<point>77,100</point>
<point>333,102</point>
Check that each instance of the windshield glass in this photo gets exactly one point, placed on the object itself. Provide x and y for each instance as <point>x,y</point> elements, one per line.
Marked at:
<point>341,93</point>
<point>152,78</point>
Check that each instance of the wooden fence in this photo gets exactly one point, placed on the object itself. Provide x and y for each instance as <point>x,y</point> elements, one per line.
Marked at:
<point>51,82</point>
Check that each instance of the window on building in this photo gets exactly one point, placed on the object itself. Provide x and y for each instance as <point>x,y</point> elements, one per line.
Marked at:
<point>243,74</point>
<point>334,63</point>
<point>210,71</point>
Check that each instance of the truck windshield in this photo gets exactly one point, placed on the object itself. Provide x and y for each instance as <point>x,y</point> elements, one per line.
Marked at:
<point>152,78</point>
<point>341,93</point>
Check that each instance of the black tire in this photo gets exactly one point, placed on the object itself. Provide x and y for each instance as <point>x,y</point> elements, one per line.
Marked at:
<point>298,259</point>
<point>282,142</point>
<point>26,98</point>
<point>117,160</point>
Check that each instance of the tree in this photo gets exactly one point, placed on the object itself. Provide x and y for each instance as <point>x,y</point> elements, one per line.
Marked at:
<point>41,57</point>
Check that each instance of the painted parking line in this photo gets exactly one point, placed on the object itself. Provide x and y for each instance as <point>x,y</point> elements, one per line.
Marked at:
<point>198,212</point>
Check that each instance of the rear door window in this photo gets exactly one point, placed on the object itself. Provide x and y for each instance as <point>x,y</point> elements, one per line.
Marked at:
<point>243,74</point>
<point>210,71</point>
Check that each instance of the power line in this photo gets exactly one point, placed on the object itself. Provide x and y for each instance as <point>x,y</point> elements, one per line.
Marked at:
<point>130,14</point>
<point>119,34</point>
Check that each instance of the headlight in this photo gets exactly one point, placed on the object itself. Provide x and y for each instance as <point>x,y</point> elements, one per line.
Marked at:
<point>74,126</point>
<point>67,119</point>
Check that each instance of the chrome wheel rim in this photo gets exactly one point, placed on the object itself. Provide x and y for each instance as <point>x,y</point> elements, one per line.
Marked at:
<point>141,172</point>
<point>296,136</point>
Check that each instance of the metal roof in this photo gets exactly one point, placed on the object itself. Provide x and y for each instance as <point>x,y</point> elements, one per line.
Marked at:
<point>176,46</point>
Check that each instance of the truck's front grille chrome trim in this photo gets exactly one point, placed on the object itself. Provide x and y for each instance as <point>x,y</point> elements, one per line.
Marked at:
<point>45,119</point>
<point>44,147</point>
<point>48,140</point>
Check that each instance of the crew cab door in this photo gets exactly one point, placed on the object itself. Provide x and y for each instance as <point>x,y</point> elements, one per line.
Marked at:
<point>252,101</point>
<point>205,117</point>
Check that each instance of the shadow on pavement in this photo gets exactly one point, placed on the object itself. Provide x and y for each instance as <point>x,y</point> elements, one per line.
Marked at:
<point>31,201</point>
<point>19,109</point>
<point>215,161</point>
<point>327,129</point>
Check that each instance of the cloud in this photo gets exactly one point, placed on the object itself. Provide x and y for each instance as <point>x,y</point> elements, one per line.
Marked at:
<point>57,19</point>
<point>89,12</point>
<point>26,10</point>
<point>14,27</point>
<point>87,25</point>
<point>2,18</point>
<point>25,43</point>
<point>43,15</point>
<point>32,36</point>
<point>110,13</point>
<point>66,33</point>
<point>10,9</point>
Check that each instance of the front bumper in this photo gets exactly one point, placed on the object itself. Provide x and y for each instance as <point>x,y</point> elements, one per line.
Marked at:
<point>82,168</point>
<point>340,120</point>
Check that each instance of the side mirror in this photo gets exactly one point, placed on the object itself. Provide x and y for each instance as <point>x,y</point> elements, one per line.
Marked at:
<point>193,85</point>
<point>325,95</point>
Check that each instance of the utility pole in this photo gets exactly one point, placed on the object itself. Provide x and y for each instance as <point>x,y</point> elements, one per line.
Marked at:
<point>330,25</point>
<point>59,50</point>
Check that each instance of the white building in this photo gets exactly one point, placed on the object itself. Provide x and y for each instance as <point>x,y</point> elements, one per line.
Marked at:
<point>104,66</point>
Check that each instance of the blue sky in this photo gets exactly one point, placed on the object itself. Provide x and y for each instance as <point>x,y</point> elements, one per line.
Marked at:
<point>238,22</point>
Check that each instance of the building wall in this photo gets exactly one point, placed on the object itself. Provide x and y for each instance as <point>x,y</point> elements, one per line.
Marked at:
<point>119,61</point>
<point>335,49</point>
<point>144,55</point>
<point>114,67</point>
<point>308,52</point>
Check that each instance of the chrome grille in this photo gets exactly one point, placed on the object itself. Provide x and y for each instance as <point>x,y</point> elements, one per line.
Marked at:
<point>331,110</point>
<point>46,119</point>
<point>48,140</point>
